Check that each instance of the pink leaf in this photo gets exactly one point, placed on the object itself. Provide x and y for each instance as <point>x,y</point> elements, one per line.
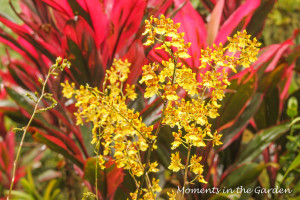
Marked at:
<point>195,31</point>
<point>125,21</point>
<point>99,20</point>
<point>278,55</point>
<point>245,11</point>
<point>137,62</point>
<point>79,31</point>
<point>63,6</point>
<point>214,22</point>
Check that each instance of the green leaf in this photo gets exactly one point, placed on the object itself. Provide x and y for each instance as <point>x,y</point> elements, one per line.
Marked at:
<point>49,189</point>
<point>295,164</point>
<point>242,121</point>
<point>244,175</point>
<point>17,117</point>
<point>268,112</point>
<point>235,102</point>
<point>87,136</point>
<point>7,104</point>
<point>29,177</point>
<point>17,195</point>
<point>163,151</point>
<point>21,101</point>
<point>81,71</point>
<point>55,193</point>
<point>294,121</point>
<point>127,187</point>
<point>225,196</point>
<point>270,79</point>
<point>27,186</point>
<point>260,141</point>
<point>32,184</point>
<point>297,188</point>
<point>257,21</point>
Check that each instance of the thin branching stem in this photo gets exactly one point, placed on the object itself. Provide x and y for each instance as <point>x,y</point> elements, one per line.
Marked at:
<point>96,168</point>
<point>186,170</point>
<point>151,144</point>
<point>127,120</point>
<point>51,70</point>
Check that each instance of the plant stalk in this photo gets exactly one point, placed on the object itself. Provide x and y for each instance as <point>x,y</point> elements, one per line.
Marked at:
<point>25,131</point>
<point>185,182</point>
<point>158,128</point>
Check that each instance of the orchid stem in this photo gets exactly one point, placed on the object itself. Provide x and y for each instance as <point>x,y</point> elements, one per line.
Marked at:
<point>185,182</point>
<point>35,111</point>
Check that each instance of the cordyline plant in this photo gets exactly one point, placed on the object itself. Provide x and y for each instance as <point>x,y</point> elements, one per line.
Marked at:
<point>120,132</point>
<point>91,37</point>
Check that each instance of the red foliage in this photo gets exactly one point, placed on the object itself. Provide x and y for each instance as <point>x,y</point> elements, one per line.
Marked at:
<point>91,33</point>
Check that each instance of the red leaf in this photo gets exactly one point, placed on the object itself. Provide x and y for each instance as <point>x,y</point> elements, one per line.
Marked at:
<point>99,20</point>
<point>7,148</point>
<point>32,40</point>
<point>285,92</point>
<point>195,31</point>
<point>157,55</point>
<point>245,11</point>
<point>62,6</point>
<point>22,72</point>
<point>6,77</point>
<point>125,21</point>
<point>74,129</point>
<point>109,179</point>
<point>115,178</point>
<point>159,7</point>
<point>19,30</point>
<point>283,47</point>
<point>79,31</point>
<point>214,22</point>
<point>137,62</point>
<point>231,6</point>
<point>58,145</point>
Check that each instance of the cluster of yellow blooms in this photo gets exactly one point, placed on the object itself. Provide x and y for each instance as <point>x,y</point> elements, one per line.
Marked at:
<point>192,116</point>
<point>119,128</point>
<point>115,126</point>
